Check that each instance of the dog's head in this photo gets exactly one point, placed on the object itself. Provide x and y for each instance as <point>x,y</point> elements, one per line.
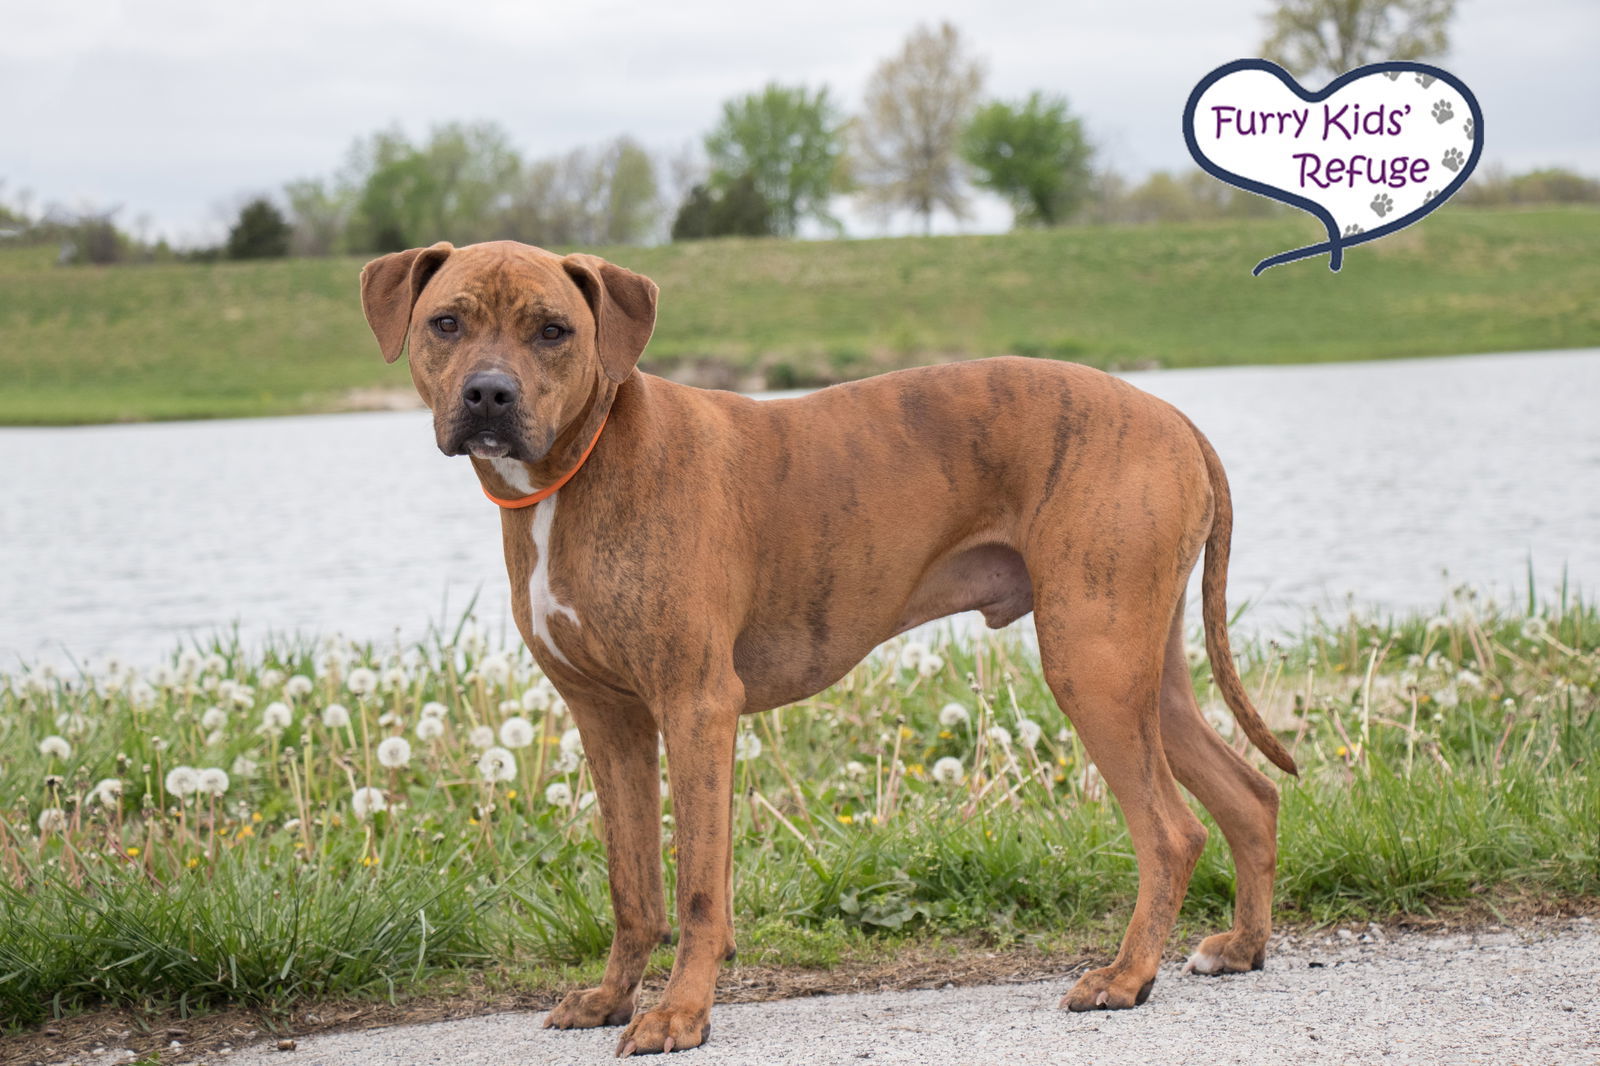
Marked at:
<point>508,343</point>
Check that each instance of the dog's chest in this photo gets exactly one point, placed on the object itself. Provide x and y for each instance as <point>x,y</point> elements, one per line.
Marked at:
<point>542,602</point>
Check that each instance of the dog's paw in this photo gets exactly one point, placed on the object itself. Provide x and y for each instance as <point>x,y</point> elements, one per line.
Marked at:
<point>590,1009</point>
<point>1108,988</point>
<point>665,1029</point>
<point>1226,953</point>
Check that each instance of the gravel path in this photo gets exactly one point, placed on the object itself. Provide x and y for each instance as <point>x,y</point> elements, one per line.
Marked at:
<point>1494,997</point>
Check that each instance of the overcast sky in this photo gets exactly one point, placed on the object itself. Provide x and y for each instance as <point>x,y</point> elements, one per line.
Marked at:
<point>174,109</point>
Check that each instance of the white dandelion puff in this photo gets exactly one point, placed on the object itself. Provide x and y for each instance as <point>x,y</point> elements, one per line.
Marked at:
<point>72,724</point>
<point>213,781</point>
<point>297,687</point>
<point>1535,629</point>
<point>214,718</point>
<point>516,732</point>
<point>495,669</point>
<point>243,766</point>
<point>183,780</point>
<point>52,820</point>
<point>434,709</point>
<point>912,654</point>
<point>394,752</point>
<point>54,747</point>
<point>141,694</point>
<point>948,771</point>
<point>335,716</point>
<point>497,764</point>
<point>854,770</point>
<point>1000,736</point>
<point>952,715</point>
<point>368,801</point>
<point>430,728</point>
<point>586,801</point>
<point>481,737</point>
<point>930,664</point>
<point>107,792</point>
<point>537,698</point>
<point>270,678</point>
<point>1029,732</point>
<point>361,681</point>
<point>747,746</point>
<point>394,678</point>
<point>572,742</point>
<point>276,717</point>
<point>558,794</point>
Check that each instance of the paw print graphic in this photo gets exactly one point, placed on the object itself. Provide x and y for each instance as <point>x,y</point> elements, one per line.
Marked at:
<point>1352,229</point>
<point>1443,112</point>
<point>1453,159</point>
<point>1392,75</point>
<point>1431,194</point>
<point>1425,80</point>
<point>1471,131</point>
<point>1382,204</point>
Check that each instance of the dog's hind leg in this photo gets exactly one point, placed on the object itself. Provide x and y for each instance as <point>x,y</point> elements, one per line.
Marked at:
<point>620,742</point>
<point>1243,802</point>
<point>1102,660</point>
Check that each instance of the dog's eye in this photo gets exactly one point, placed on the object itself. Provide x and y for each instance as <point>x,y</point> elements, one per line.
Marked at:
<point>553,332</point>
<point>446,324</point>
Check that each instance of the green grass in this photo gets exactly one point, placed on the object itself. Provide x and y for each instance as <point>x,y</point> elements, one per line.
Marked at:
<point>230,339</point>
<point>1444,761</point>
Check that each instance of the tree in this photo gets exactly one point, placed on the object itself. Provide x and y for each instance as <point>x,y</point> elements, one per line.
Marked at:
<point>260,233</point>
<point>585,197</point>
<point>449,189</point>
<point>791,141</point>
<point>1033,154</point>
<point>737,211</point>
<point>1329,37</point>
<point>917,104</point>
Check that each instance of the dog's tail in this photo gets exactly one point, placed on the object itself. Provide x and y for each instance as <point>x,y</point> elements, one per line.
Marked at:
<point>1214,615</point>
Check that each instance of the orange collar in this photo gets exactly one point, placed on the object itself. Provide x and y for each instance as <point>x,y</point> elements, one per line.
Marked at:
<point>546,493</point>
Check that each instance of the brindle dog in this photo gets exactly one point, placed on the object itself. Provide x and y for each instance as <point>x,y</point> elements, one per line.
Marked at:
<point>717,556</point>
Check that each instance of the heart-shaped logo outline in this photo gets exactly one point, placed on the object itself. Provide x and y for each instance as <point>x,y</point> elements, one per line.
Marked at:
<point>1337,242</point>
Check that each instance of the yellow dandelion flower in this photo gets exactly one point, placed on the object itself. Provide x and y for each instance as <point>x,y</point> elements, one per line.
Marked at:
<point>133,853</point>
<point>916,769</point>
<point>193,861</point>
<point>906,733</point>
<point>1342,751</point>
<point>945,734</point>
<point>370,860</point>
<point>244,831</point>
<point>846,819</point>
<point>511,793</point>
<point>472,821</point>
<point>1061,760</point>
<point>255,816</point>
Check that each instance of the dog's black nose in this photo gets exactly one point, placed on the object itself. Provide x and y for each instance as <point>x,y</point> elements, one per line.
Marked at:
<point>489,393</point>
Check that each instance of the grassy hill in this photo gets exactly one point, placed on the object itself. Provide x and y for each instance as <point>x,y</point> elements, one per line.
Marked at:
<point>187,340</point>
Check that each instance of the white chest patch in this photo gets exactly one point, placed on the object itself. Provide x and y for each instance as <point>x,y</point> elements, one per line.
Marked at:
<point>514,473</point>
<point>541,597</point>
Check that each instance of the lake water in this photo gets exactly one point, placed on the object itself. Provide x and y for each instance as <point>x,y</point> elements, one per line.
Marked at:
<point>1367,480</point>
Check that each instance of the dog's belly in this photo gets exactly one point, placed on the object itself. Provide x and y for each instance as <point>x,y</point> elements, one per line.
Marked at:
<point>787,658</point>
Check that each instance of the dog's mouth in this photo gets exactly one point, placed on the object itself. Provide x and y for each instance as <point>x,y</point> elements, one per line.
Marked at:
<point>487,444</point>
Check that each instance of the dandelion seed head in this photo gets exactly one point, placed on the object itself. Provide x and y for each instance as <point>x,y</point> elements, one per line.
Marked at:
<point>271,677</point>
<point>183,780</point>
<point>911,655</point>
<point>361,681</point>
<point>214,664</point>
<point>497,764</point>
<point>72,724</point>
<point>516,732</point>
<point>243,766</point>
<point>213,781</point>
<point>495,669</point>
<point>388,719</point>
<point>394,752</point>
<point>429,728</point>
<point>558,794</point>
<point>368,801</point>
<point>930,664</point>
<point>54,747</point>
<point>952,715</point>
<point>572,742</point>
<point>141,693</point>
<point>434,709</point>
<point>276,717</point>
<point>394,678</point>
<point>52,820</point>
<point>107,792</point>
<point>213,718</point>
<point>854,770</point>
<point>537,698</point>
<point>746,746</point>
<point>481,737</point>
<point>586,801</point>
<point>163,675</point>
<point>948,771</point>
<point>1000,736</point>
<point>1029,732</point>
<point>1535,629</point>
<point>335,716</point>
<point>297,687</point>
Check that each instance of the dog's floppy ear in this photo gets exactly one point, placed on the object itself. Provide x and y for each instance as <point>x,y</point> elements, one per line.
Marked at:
<point>624,306</point>
<point>390,285</point>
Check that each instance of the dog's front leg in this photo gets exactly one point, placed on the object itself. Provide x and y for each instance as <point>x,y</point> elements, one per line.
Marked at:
<point>620,744</point>
<point>699,729</point>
